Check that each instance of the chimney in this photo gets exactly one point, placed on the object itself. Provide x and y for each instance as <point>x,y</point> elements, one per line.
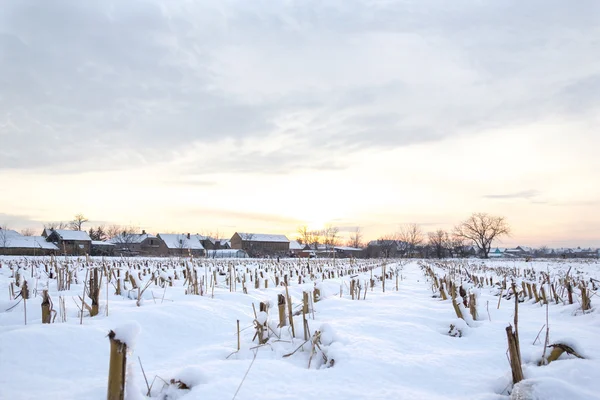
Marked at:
<point>143,231</point>
<point>188,235</point>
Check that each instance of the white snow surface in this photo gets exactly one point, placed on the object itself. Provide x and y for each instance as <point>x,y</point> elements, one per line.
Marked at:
<point>66,234</point>
<point>393,345</point>
<point>181,241</point>
<point>263,237</point>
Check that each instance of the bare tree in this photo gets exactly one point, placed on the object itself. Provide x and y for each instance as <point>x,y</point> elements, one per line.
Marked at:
<point>439,242</point>
<point>388,244</point>
<point>412,236</point>
<point>356,238</point>
<point>123,237</point>
<point>331,236</point>
<point>56,225</point>
<point>4,236</point>
<point>304,235</point>
<point>98,233</point>
<point>78,222</point>
<point>183,245</point>
<point>482,229</point>
<point>458,246</point>
<point>28,232</point>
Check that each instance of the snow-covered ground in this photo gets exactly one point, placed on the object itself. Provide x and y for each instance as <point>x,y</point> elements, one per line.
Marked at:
<point>391,345</point>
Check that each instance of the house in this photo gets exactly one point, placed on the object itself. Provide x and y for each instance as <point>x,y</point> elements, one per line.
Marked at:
<point>385,248</point>
<point>100,248</point>
<point>226,253</point>
<point>466,251</point>
<point>259,244</point>
<point>136,244</point>
<point>15,244</point>
<point>295,248</point>
<point>70,242</point>
<point>348,252</point>
<point>223,244</point>
<point>180,245</point>
<point>497,253</point>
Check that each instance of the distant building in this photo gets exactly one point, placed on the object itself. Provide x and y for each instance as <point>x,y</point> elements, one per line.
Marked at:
<point>100,248</point>
<point>260,245</point>
<point>295,248</point>
<point>226,253</point>
<point>14,244</point>
<point>137,244</point>
<point>72,243</point>
<point>385,248</point>
<point>348,252</point>
<point>181,245</point>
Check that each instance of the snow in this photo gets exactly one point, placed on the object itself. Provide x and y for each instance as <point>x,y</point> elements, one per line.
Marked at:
<point>66,234</point>
<point>181,241</point>
<point>101,243</point>
<point>294,245</point>
<point>127,333</point>
<point>262,237</point>
<point>19,241</point>
<point>133,238</point>
<point>391,345</point>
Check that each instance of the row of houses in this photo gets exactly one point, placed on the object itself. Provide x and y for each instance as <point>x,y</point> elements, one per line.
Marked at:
<point>69,242</point>
<point>528,252</point>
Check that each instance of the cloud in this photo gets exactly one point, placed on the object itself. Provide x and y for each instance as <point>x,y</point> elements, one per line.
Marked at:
<point>102,85</point>
<point>526,194</point>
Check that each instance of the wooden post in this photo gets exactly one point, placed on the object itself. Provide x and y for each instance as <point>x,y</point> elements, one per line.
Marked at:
<point>117,368</point>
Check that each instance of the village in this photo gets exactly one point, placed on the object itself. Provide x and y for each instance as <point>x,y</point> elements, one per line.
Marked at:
<point>72,242</point>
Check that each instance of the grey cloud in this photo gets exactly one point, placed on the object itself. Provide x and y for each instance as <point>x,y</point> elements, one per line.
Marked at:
<point>526,194</point>
<point>107,84</point>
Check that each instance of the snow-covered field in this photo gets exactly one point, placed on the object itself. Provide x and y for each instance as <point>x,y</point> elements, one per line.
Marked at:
<point>389,345</point>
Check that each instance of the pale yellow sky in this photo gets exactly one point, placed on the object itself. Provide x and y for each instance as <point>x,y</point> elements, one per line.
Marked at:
<point>206,116</point>
<point>547,189</point>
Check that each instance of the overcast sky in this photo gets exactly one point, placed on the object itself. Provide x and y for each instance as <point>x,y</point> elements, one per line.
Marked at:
<point>261,116</point>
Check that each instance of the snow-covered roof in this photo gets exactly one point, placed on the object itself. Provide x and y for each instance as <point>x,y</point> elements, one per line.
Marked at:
<point>101,243</point>
<point>261,237</point>
<point>200,238</point>
<point>15,240</point>
<point>66,234</point>
<point>347,248</point>
<point>181,241</point>
<point>294,245</point>
<point>130,238</point>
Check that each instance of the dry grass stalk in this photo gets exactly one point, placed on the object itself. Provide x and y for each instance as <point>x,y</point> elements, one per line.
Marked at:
<point>25,296</point>
<point>46,308</point>
<point>586,303</point>
<point>281,307</point>
<point>558,349</point>
<point>117,368</point>
<point>473,306</point>
<point>515,357</point>
<point>535,293</point>
<point>290,312</point>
